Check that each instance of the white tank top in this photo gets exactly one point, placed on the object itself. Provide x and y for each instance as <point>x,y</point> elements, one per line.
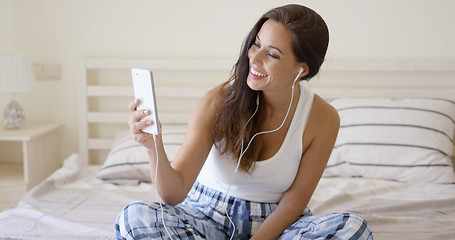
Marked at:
<point>271,177</point>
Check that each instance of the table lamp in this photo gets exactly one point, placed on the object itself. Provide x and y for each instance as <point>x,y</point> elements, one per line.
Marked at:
<point>16,76</point>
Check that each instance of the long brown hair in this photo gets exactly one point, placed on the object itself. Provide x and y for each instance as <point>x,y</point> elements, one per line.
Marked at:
<point>310,38</point>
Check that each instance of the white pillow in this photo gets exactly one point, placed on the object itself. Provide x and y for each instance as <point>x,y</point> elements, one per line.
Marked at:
<point>405,140</point>
<point>127,161</point>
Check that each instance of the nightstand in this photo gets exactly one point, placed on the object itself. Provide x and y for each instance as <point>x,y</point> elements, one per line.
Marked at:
<point>40,150</point>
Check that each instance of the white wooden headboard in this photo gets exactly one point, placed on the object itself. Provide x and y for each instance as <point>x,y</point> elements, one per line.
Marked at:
<point>106,89</point>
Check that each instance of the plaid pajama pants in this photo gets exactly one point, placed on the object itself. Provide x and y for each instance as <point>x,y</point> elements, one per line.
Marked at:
<point>202,216</point>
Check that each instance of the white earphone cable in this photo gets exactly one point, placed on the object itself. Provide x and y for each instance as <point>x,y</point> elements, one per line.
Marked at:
<point>242,152</point>
<point>156,189</point>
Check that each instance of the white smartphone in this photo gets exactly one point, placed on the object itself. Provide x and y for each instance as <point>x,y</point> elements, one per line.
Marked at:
<point>144,90</point>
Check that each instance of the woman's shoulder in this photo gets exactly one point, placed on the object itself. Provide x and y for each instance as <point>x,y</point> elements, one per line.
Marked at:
<point>209,103</point>
<point>323,117</point>
<point>213,96</point>
<point>325,113</point>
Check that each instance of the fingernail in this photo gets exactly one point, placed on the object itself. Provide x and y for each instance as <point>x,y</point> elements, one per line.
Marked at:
<point>148,122</point>
<point>136,100</point>
<point>146,111</point>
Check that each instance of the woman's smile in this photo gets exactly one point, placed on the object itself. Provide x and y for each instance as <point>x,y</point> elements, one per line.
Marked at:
<point>256,75</point>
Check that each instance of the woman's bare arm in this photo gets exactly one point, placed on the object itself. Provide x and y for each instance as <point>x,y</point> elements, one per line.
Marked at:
<point>175,179</point>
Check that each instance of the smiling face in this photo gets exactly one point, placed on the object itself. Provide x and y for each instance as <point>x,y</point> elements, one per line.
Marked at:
<point>273,65</point>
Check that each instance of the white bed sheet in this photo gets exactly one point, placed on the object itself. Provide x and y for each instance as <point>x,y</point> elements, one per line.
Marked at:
<point>394,210</point>
<point>73,204</point>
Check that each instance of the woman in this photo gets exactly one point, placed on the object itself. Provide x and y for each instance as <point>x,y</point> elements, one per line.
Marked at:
<point>276,132</point>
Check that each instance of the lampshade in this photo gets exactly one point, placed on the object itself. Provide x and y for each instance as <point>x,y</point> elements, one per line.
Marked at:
<point>16,74</point>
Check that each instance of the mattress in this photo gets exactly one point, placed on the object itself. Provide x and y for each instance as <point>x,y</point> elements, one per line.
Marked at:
<point>73,204</point>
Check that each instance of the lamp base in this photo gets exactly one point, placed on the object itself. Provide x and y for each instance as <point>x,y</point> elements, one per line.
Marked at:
<point>14,116</point>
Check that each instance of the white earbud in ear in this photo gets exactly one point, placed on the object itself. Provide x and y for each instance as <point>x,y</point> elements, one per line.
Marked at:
<point>298,75</point>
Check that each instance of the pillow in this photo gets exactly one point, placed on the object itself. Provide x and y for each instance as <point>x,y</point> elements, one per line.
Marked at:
<point>127,162</point>
<point>405,140</point>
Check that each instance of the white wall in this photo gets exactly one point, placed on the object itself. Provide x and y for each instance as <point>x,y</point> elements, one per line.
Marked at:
<point>64,32</point>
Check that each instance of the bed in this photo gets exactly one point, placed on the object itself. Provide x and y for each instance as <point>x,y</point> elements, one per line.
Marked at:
<point>392,162</point>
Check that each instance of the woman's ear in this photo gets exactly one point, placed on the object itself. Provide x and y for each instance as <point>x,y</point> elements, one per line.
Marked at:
<point>303,70</point>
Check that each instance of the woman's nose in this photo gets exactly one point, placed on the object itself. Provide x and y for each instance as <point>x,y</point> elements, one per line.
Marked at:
<point>256,57</point>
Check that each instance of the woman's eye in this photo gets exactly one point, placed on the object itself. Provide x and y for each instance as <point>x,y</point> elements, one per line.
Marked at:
<point>257,45</point>
<point>274,56</point>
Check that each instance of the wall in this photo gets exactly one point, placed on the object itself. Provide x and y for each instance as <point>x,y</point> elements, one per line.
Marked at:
<point>65,32</point>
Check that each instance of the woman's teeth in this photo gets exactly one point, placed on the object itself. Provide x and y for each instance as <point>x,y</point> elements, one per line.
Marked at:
<point>258,73</point>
